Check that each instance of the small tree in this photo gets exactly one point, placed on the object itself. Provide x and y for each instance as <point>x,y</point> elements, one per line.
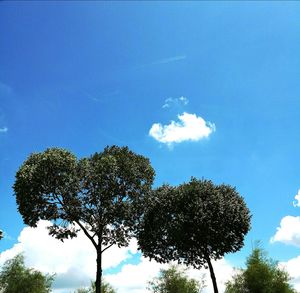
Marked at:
<point>101,195</point>
<point>262,275</point>
<point>193,224</point>
<point>105,288</point>
<point>175,280</point>
<point>16,278</point>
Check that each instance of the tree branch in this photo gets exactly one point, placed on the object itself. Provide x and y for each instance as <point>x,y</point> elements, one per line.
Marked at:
<point>78,223</point>
<point>87,234</point>
<point>107,247</point>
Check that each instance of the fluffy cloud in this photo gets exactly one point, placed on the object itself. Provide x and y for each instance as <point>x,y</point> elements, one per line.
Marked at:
<point>292,267</point>
<point>289,231</point>
<point>74,262</point>
<point>296,203</point>
<point>3,129</point>
<point>175,101</point>
<point>188,128</point>
<point>134,278</point>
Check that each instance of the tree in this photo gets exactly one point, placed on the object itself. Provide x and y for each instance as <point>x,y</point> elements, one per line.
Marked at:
<point>105,288</point>
<point>16,278</point>
<point>193,224</point>
<point>262,275</point>
<point>175,280</point>
<point>101,195</point>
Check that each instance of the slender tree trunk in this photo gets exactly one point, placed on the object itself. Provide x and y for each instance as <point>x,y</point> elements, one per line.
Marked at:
<point>99,269</point>
<point>212,275</point>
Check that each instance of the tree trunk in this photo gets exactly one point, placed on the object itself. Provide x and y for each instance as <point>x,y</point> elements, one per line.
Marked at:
<point>212,275</point>
<point>99,270</point>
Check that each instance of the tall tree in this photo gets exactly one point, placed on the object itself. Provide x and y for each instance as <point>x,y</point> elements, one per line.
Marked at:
<point>193,224</point>
<point>16,278</point>
<point>175,280</point>
<point>101,195</point>
<point>262,275</point>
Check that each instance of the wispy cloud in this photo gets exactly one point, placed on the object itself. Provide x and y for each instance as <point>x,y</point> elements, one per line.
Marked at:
<point>106,97</point>
<point>190,127</point>
<point>169,59</point>
<point>296,203</point>
<point>164,61</point>
<point>5,89</point>
<point>6,236</point>
<point>175,101</point>
<point>3,130</point>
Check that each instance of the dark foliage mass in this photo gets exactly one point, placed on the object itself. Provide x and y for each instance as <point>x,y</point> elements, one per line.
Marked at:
<point>101,195</point>
<point>194,223</point>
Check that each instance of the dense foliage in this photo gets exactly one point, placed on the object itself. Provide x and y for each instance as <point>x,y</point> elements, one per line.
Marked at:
<point>194,223</point>
<point>16,278</point>
<point>175,280</point>
<point>262,275</point>
<point>102,195</point>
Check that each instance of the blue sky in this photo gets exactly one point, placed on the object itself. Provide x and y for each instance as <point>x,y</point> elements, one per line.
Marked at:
<point>83,75</point>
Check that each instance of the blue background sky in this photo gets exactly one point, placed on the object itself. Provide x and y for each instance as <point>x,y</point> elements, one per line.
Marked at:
<point>86,75</point>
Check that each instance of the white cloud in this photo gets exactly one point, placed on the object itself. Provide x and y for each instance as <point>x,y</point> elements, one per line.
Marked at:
<point>292,267</point>
<point>188,128</point>
<point>223,271</point>
<point>175,101</point>
<point>3,129</point>
<point>288,232</point>
<point>135,278</point>
<point>296,203</point>
<point>73,261</point>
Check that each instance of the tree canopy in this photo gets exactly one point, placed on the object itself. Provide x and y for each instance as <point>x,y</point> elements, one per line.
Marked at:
<point>194,223</point>
<point>262,275</point>
<point>175,280</point>
<point>16,278</point>
<point>101,195</point>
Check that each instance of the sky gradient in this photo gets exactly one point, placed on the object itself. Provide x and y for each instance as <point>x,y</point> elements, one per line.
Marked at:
<point>208,89</point>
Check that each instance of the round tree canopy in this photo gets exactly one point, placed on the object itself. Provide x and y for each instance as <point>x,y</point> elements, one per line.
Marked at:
<point>193,222</point>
